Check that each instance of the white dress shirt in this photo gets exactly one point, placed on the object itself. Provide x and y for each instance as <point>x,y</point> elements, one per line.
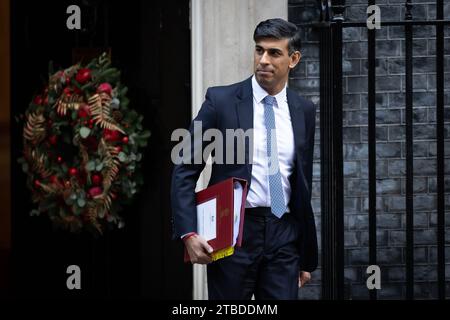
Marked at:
<point>259,193</point>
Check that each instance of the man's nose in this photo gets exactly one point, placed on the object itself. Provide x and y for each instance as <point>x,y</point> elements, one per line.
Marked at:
<point>264,58</point>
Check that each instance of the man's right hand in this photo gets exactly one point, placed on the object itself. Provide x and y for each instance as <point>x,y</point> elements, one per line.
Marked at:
<point>198,249</point>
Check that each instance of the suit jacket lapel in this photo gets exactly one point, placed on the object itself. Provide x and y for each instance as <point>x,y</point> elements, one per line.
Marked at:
<point>244,105</point>
<point>297,120</point>
<point>244,111</point>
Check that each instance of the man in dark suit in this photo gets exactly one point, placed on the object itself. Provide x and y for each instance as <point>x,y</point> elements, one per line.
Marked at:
<point>279,248</point>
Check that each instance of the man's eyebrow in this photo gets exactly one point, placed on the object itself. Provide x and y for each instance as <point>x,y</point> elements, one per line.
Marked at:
<point>269,49</point>
<point>275,49</point>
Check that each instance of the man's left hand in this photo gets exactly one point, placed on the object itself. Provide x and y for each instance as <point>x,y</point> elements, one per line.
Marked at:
<point>303,278</point>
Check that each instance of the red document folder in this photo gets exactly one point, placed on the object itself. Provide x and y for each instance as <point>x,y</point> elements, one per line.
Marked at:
<point>223,193</point>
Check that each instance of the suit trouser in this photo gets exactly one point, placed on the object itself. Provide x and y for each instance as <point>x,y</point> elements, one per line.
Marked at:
<point>267,264</point>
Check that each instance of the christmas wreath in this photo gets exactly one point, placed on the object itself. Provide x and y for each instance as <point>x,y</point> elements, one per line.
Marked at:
<point>82,147</point>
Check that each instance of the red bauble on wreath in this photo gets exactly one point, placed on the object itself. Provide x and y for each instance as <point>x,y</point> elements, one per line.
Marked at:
<point>79,168</point>
<point>83,76</point>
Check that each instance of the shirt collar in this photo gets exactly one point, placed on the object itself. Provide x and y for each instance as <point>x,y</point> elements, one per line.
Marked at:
<point>259,93</point>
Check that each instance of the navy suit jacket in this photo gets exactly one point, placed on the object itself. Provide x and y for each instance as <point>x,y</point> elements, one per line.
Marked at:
<point>231,107</point>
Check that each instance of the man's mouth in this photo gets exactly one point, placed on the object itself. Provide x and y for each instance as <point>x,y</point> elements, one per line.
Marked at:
<point>264,72</point>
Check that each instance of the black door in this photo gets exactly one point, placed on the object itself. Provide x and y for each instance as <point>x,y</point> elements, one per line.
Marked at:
<point>150,43</point>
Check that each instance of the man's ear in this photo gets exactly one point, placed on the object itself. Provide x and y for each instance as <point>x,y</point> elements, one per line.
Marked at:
<point>295,58</point>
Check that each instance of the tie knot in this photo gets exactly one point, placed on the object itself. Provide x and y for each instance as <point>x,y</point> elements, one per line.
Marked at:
<point>270,100</point>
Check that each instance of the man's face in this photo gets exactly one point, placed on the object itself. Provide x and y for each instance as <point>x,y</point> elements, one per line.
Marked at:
<point>272,63</point>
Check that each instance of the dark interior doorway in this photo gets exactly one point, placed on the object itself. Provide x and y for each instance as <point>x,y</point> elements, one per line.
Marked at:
<point>150,43</point>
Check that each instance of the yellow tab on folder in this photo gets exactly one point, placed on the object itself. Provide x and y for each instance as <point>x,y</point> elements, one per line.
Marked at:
<point>222,253</point>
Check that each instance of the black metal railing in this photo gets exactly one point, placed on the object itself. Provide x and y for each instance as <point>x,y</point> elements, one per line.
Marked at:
<point>331,115</point>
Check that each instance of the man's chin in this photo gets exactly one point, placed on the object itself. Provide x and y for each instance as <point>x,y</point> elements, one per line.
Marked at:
<point>264,81</point>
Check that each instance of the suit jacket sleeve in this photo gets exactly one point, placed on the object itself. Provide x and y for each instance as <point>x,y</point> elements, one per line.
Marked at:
<point>186,174</point>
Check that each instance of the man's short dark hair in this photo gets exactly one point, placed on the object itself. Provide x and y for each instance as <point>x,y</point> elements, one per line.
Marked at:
<point>279,29</point>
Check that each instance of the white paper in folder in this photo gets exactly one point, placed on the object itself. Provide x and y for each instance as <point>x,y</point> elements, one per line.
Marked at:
<point>237,210</point>
<point>206,219</point>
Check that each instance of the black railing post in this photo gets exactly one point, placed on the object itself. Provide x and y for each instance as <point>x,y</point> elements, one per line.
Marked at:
<point>332,191</point>
<point>440,149</point>
<point>326,85</point>
<point>409,154</point>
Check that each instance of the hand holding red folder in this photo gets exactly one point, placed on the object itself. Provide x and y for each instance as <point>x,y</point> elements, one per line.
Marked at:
<point>198,250</point>
<point>220,218</point>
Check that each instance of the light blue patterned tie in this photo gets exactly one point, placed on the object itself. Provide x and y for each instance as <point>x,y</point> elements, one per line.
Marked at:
<point>276,189</point>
